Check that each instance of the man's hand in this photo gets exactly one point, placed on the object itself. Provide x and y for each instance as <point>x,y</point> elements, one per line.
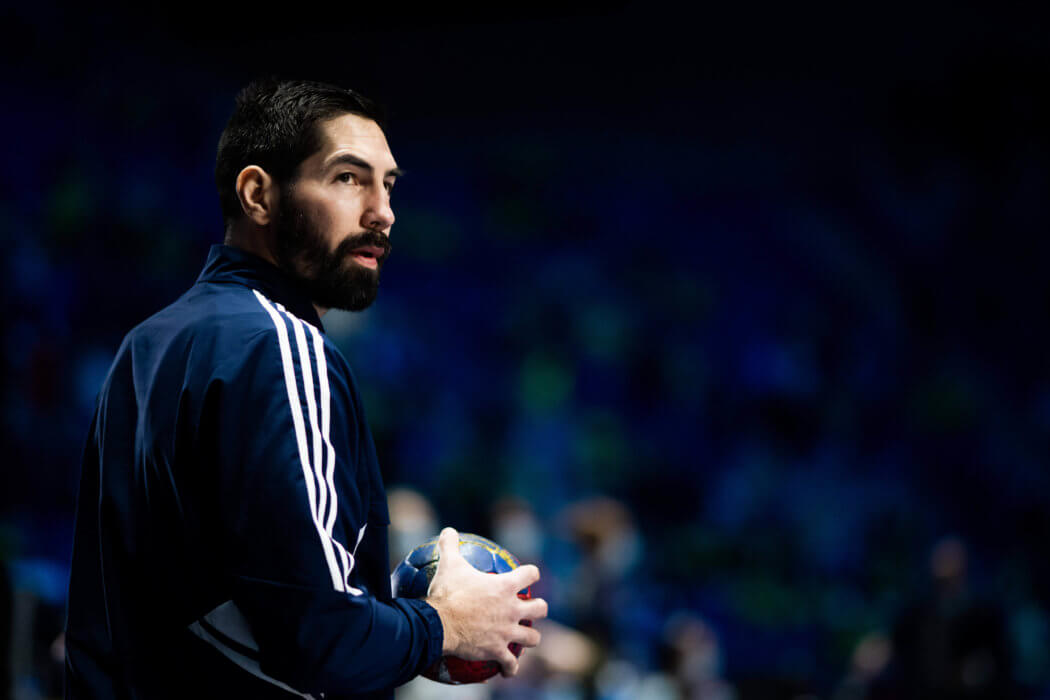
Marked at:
<point>481,612</point>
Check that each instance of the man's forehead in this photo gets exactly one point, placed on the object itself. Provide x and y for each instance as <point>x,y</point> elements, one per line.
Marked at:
<point>355,135</point>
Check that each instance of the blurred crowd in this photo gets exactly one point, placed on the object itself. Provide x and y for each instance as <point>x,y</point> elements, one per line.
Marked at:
<point>614,634</point>
<point>761,387</point>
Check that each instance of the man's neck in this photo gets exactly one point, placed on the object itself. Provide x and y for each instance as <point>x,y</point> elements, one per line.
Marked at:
<point>258,245</point>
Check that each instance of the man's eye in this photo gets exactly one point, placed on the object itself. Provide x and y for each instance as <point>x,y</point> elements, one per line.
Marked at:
<point>346,177</point>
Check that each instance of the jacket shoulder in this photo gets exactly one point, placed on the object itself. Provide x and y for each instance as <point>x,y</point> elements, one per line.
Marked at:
<point>209,308</point>
<point>221,330</point>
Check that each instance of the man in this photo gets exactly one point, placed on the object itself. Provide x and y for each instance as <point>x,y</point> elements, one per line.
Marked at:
<point>231,525</point>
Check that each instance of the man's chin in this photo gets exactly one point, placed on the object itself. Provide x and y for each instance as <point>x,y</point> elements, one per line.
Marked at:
<point>352,296</point>
<point>339,282</point>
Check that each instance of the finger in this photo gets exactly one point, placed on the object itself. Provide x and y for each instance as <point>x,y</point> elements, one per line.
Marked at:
<point>526,636</point>
<point>508,663</point>
<point>448,550</point>
<point>533,609</point>
<point>448,544</point>
<point>524,576</point>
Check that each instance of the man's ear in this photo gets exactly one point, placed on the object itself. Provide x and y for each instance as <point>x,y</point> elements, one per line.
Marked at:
<point>257,192</point>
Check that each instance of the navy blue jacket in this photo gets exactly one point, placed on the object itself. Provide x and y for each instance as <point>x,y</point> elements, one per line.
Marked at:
<point>231,523</point>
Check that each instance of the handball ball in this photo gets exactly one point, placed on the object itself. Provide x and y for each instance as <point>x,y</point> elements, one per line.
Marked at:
<point>412,577</point>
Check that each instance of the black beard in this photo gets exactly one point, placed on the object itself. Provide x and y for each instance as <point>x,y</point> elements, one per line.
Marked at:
<point>332,279</point>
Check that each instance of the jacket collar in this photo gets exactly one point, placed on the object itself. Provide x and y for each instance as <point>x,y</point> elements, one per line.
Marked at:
<point>230,265</point>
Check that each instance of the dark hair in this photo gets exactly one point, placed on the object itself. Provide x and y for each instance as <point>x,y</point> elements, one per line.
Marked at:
<point>274,126</point>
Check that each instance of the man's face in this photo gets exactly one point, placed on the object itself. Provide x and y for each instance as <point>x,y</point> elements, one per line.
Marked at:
<point>333,222</point>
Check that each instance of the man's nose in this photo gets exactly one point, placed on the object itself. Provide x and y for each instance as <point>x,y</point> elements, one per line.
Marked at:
<point>379,215</point>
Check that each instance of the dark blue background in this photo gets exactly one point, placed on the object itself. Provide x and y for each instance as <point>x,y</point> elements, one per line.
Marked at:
<point>771,278</point>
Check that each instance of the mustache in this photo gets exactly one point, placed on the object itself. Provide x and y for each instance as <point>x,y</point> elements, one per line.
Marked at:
<point>369,238</point>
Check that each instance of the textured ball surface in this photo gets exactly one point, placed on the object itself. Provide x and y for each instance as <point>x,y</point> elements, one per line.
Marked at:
<point>412,577</point>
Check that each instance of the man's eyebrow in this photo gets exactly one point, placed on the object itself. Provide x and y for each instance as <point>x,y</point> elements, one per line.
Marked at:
<point>350,159</point>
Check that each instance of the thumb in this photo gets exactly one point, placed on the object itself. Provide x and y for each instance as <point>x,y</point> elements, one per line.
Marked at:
<point>448,552</point>
<point>448,546</point>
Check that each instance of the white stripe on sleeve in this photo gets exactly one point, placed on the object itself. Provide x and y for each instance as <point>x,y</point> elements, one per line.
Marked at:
<point>311,407</point>
<point>338,579</point>
<point>325,485</point>
<point>326,422</point>
<point>326,419</point>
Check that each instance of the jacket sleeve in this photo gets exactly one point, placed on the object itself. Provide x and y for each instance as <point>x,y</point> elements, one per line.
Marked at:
<point>295,494</point>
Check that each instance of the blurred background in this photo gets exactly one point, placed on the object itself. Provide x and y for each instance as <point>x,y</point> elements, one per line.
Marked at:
<point>732,321</point>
